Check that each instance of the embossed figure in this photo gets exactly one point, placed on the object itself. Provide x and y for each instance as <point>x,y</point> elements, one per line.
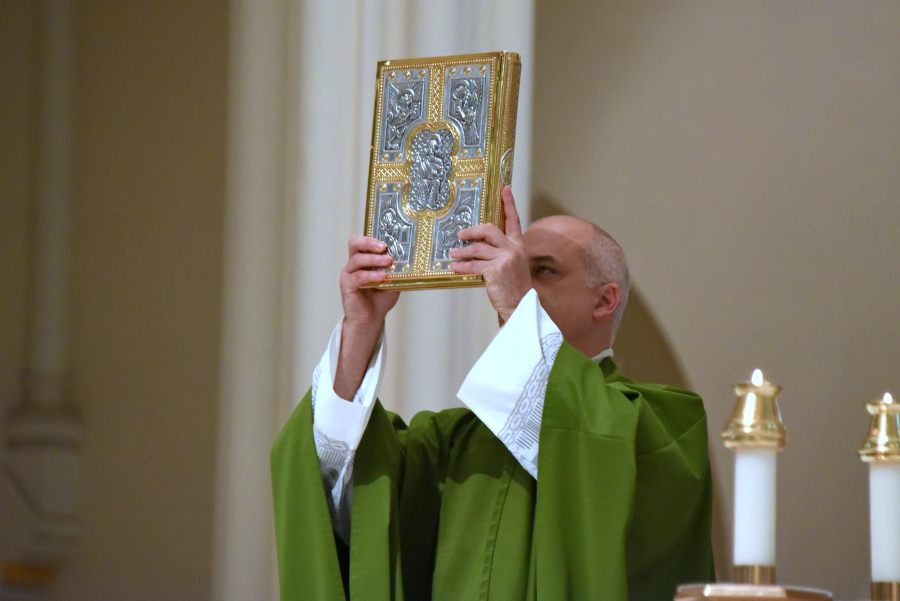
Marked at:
<point>430,170</point>
<point>448,231</point>
<point>400,116</point>
<point>466,101</point>
<point>394,235</point>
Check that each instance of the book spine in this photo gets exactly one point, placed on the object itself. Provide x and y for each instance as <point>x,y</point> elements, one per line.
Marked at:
<point>511,72</point>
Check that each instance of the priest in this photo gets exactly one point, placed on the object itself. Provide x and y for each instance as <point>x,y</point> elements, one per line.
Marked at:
<point>562,479</point>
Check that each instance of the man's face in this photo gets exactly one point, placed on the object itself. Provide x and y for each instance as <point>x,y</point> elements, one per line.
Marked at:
<point>555,251</point>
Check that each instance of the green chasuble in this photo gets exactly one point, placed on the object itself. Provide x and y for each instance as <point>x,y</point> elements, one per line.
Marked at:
<point>442,510</point>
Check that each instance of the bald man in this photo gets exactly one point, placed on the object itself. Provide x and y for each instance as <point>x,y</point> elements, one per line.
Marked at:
<point>562,479</point>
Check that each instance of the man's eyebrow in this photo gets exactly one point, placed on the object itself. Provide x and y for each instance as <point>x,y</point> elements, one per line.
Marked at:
<point>543,259</point>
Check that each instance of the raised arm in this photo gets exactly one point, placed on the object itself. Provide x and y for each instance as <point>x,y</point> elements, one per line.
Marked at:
<point>364,311</point>
<point>346,379</point>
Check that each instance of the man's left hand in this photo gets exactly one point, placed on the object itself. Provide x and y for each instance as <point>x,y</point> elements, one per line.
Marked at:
<point>499,257</point>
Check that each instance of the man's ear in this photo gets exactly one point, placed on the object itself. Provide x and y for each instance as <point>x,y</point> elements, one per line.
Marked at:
<point>608,301</point>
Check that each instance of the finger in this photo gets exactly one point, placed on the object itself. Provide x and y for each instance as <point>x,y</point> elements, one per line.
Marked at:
<point>471,267</point>
<point>358,279</point>
<point>365,244</point>
<point>488,232</point>
<point>484,252</point>
<point>360,261</point>
<point>513,224</point>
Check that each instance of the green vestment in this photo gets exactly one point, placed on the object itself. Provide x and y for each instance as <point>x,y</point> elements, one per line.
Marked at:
<point>442,510</point>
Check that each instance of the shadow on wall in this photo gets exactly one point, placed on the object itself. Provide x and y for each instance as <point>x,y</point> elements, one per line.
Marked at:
<point>643,353</point>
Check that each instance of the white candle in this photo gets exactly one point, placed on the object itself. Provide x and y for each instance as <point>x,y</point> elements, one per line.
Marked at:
<point>884,502</point>
<point>884,516</point>
<point>754,506</point>
<point>756,433</point>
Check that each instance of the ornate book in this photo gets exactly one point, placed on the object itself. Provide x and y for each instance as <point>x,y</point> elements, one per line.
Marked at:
<point>442,149</point>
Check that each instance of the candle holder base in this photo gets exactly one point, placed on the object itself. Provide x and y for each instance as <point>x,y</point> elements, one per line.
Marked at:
<point>748,592</point>
<point>753,574</point>
<point>886,591</point>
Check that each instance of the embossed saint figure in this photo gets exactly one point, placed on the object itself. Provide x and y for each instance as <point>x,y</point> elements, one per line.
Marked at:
<point>400,116</point>
<point>394,234</point>
<point>430,170</point>
<point>458,221</point>
<point>465,107</point>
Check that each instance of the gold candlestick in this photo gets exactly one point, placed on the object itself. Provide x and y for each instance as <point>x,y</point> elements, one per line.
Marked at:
<point>755,425</point>
<point>756,433</point>
<point>881,450</point>
<point>756,418</point>
<point>885,591</point>
<point>882,444</point>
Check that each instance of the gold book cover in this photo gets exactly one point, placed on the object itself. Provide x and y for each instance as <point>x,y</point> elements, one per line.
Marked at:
<point>442,149</point>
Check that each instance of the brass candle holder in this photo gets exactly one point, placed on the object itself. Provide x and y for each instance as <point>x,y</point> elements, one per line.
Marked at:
<point>755,426</point>
<point>881,450</point>
<point>756,418</point>
<point>747,592</point>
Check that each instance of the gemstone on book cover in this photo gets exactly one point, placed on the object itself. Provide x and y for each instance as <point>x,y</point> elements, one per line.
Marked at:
<point>429,170</point>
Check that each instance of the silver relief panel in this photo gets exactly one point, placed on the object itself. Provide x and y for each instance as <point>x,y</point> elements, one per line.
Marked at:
<point>404,105</point>
<point>466,104</point>
<point>429,170</point>
<point>463,215</point>
<point>394,228</point>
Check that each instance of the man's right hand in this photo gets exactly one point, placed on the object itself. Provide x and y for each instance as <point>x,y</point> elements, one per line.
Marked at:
<point>364,311</point>
<point>366,306</point>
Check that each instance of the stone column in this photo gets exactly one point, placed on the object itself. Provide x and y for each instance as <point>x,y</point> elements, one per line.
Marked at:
<point>43,431</point>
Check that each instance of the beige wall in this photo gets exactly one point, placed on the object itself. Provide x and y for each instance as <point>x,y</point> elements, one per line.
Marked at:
<point>150,185</point>
<point>746,156</point>
<point>148,204</point>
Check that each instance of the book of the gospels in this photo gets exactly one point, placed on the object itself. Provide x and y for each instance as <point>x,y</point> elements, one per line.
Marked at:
<point>442,150</point>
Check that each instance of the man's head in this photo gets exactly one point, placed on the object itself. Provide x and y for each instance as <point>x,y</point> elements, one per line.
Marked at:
<point>581,276</point>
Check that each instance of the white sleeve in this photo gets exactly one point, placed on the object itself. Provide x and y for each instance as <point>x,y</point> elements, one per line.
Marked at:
<point>511,406</point>
<point>338,426</point>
